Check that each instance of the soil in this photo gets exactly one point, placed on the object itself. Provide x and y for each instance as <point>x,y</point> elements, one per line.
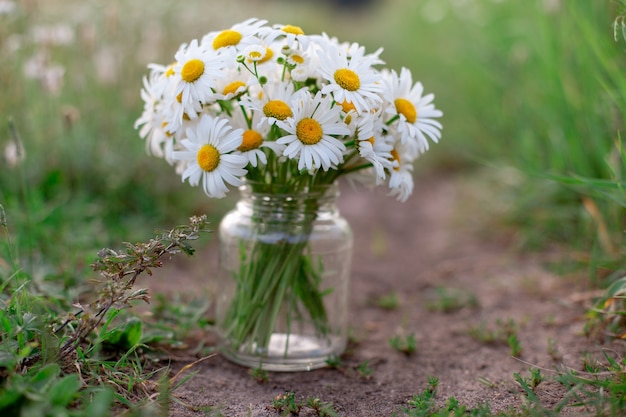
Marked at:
<point>447,236</point>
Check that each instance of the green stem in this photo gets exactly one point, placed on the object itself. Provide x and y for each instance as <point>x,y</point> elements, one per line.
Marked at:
<point>275,276</point>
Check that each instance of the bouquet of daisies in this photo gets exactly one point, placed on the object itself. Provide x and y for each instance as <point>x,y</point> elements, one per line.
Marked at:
<point>270,105</point>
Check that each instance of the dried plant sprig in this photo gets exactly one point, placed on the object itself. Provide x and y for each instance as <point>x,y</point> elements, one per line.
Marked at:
<point>119,270</point>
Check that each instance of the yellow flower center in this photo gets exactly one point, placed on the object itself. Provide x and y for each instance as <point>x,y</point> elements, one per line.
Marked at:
<point>407,109</point>
<point>192,70</point>
<point>347,79</point>
<point>169,71</point>
<point>294,30</point>
<point>309,131</point>
<point>232,87</point>
<point>371,140</point>
<point>255,55</point>
<point>395,156</point>
<point>297,59</point>
<point>268,55</point>
<point>227,37</point>
<point>347,106</point>
<point>277,109</point>
<point>179,97</point>
<point>208,157</point>
<point>251,140</point>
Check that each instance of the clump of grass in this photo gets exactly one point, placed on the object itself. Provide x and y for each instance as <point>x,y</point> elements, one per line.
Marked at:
<point>260,375</point>
<point>449,300</point>
<point>406,344</point>
<point>553,350</point>
<point>601,388</point>
<point>515,347</point>
<point>422,404</point>
<point>287,405</point>
<point>498,333</point>
<point>529,384</point>
<point>598,392</point>
<point>365,370</point>
<point>334,361</point>
<point>607,318</point>
<point>388,301</point>
<point>505,332</point>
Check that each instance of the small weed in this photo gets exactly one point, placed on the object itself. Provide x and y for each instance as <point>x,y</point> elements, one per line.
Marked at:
<point>607,316</point>
<point>422,404</point>
<point>334,361</point>
<point>535,377</point>
<point>321,408</point>
<point>504,333</point>
<point>553,350</point>
<point>500,333</point>
<point>514,345</point>
<point>591,364</point>
<point>405,344</point>
<point>286,404</point>
<point>388,302</point>
<point>260,375</point>
<point>449,300</point>
<point>528,385</point>
<point>365,370</point>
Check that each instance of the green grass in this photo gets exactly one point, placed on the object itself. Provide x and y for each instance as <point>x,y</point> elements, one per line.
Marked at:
<point>406,344</point>
<point>536,88</point>
<point>449,300</point>
<point>57,358</point>
<point>536,91</point>
<point>595,392</point>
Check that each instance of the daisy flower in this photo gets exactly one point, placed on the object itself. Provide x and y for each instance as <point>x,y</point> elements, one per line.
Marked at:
<point>304,64</point>
<point>196,69</point>
<point>415,112</point>
<point>238,37</point>
<point>275,102</point>
<point>256,53</point>
<point>260,62</point>
<point>350,79</point>
<point>400,177</point>
<point>208,155</point>
<point>150,122</point>
<point>253,140</point>
<point>291,35</point>
<point>373,146</point>
<point>310,134</point>
<point>233,83</point>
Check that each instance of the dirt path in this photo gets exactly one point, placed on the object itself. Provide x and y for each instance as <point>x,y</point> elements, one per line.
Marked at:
<point>440,238</point>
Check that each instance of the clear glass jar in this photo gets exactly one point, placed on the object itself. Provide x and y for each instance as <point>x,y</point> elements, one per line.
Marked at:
<point>285,262</point>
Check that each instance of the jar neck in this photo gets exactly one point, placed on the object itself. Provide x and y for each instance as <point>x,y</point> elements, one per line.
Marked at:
<point>277,200</point>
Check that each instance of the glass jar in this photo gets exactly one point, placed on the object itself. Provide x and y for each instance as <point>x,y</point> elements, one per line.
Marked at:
<point>284,271</point>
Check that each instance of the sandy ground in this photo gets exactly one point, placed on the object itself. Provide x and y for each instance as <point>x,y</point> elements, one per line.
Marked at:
<point>445,236</point>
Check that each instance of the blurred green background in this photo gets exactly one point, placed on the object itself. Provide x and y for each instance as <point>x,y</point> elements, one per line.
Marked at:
<point>532,93</point>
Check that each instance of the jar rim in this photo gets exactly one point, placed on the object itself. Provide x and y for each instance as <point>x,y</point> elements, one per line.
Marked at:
<point>262,188</point>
